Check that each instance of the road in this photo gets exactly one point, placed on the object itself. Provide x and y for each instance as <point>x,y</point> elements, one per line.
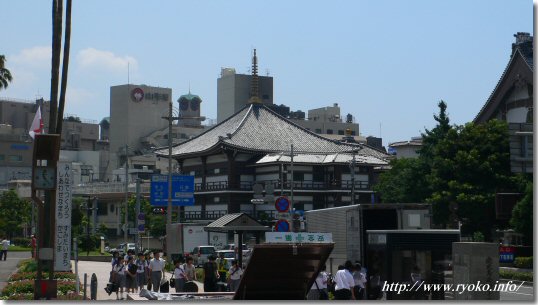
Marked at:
<point>9,266</point>
<point>525,293</point>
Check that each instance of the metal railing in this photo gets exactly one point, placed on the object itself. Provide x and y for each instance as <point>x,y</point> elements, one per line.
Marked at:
<point>119,187</point>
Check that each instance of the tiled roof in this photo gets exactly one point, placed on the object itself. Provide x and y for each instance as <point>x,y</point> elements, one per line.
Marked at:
<point>224,220</point>
<point>322,159</point>
<point>256,128</point>
<point>526,55</point>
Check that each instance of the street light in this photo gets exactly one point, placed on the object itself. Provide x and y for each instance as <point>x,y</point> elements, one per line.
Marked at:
<point>88,209</point>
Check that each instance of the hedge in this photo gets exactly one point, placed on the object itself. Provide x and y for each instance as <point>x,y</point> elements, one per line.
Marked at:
<point>19,276</point>
<point>27,286</point>
<point>523,262</point>
<point>515,275</point>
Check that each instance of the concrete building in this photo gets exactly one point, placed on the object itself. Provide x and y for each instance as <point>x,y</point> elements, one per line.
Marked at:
<point>79,134</point>
<point>135,112</point>
<point>234,92</point>
<point>406,149</point>
<point>327,121</point>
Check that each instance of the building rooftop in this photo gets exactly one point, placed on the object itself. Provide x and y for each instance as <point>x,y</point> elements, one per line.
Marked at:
<point>257,129</point>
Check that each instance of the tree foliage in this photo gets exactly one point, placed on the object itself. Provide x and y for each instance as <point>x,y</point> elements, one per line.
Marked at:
<point>14,213</point>
<point>458,171</point>
<point>522,215</point>
<point>5,74</point>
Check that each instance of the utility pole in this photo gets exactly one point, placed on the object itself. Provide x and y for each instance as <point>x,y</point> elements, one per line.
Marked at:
<point>291,185</point>
<point>138,245</point>
<point>169,210</point>
<point>352,167</point>
<point>126,218</point>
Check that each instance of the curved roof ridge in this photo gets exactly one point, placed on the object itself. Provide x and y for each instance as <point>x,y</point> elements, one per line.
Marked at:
<point>512,59</point>
<point>244,118</point>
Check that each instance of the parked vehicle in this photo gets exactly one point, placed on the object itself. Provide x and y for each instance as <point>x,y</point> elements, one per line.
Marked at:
<point>186,236</point>
<point>201,254</point>
<point>123,248</point>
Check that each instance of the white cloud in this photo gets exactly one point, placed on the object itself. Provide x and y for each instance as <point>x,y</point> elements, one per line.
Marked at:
<point>91,58</point>
<point>38,56</point>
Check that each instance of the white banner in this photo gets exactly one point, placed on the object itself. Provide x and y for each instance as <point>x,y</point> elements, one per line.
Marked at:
<point>299,237</point>
<point>62,249</point>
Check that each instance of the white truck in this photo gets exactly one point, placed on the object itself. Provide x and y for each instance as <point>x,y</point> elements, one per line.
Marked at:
<point>348,225</point>
<point>186,236</point>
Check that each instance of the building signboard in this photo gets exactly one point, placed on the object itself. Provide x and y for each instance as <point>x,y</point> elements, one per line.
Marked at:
<point>299,237</point>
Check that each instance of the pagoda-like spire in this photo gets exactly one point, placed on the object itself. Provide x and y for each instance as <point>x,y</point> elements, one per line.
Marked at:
<point>254,90</point>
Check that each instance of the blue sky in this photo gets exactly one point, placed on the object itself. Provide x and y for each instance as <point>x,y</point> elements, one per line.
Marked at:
<point>386,62</point>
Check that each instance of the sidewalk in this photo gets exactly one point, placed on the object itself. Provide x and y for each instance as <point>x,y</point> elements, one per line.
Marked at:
<point>9,266</point>
<point>102,271</point>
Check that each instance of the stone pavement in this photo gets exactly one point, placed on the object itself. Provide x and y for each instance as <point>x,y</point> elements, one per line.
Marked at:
<point>9,266</point>
<point>102,271</point>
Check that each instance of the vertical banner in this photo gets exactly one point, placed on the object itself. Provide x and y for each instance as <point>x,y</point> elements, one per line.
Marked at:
<point>62,249</point>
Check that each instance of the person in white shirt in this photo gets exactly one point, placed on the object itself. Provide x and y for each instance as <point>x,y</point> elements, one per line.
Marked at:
<point>118,277</point>
<point>5,245</point>
<point>343,289</point>
<point>359,277</point>
<point>235,276</point>
<point>156,268</point>
<point>319,287</point>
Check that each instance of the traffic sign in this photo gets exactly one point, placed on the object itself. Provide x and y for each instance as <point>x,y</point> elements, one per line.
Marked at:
<point>182,190</point>
<point>141,228</point>
<point>141,216</point>
<point>282,226</point>
<point>282,204</point>
<point>257,201</point>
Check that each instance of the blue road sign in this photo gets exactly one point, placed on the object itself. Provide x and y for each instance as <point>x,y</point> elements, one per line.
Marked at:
<point>182,190</point>
<point>282,204</point>
<point>282,226</point>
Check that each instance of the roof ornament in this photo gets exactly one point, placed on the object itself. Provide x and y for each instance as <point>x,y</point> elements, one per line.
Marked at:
<point>254,90</point>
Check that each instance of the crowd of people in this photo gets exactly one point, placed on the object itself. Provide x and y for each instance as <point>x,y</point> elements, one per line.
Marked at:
<point>349,283</point>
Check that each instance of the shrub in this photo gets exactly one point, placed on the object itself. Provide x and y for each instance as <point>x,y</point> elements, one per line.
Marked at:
<point>523,262</point>
<point>515,275</point>
<point>21,241</point>
<point>19,276</point>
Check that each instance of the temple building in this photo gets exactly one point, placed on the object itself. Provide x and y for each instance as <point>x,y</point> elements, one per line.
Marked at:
<point>255,146</point>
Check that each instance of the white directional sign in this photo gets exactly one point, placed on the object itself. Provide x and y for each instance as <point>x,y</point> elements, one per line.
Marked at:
<point>300,237</point>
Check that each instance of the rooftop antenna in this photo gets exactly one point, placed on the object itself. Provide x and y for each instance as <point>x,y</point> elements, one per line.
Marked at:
<point>254,92</point>
<point>266,72</point>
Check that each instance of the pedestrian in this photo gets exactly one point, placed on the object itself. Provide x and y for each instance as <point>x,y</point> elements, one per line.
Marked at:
<point>211,275</point>
<point>318,291</point>
<point>130,275</point>
<point>141,264</point>
<point>190,270</point>
<point>235,276</point>
<point>179,275</point>
<point>118,278</point>
<point>156,268</point>
<point>344,282</point>
<point>5,245</point>
<point>33,244</point>
<point>359,278</point>
<point>147,257</point>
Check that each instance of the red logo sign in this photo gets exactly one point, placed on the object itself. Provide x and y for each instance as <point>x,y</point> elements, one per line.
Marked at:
<point>137,94</point>
<point>190,231</point>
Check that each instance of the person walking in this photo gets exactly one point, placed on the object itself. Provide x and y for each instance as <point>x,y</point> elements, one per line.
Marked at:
<point>5,246</point>
<point>190,270</point>
<point>359,278</point>
<point>344,282</point>
<point>130,276</point>
<point>319,288</point>
<point>235,276</point>
<point>179,275</point>
<point>156,268</point>
<point>211,275</point>
<point>118,278</point>
<point>33,244</point>
<point>141,265</point>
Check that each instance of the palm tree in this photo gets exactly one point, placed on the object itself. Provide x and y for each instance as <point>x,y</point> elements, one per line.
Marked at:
<point>5,75</point>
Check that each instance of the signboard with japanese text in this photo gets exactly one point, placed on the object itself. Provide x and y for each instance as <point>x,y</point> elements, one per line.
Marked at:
<point>300,237</point>
<point>506,254</point>
<point>62,249</point>
<point>182,190</point>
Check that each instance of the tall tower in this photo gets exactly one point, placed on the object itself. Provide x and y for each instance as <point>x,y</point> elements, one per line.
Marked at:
<point>234,91</point>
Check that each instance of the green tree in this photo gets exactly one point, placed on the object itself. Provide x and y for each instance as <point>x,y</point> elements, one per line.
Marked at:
<point>522,215</point>
<point>14,213</point>
<point>157,226</point>
<point>405,182</point>
<point>5,74</point>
